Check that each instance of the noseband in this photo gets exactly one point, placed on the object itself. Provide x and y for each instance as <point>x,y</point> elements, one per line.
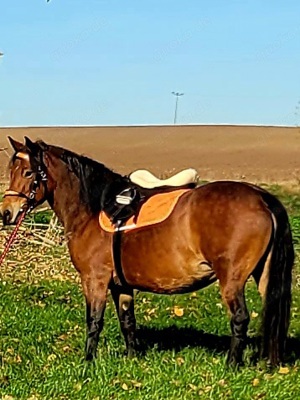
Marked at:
<point>40,177</point>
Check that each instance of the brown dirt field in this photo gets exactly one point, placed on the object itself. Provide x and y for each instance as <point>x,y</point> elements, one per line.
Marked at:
<point>256,154</point>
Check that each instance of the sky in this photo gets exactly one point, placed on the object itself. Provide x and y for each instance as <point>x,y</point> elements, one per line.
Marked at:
<point>112,62</point>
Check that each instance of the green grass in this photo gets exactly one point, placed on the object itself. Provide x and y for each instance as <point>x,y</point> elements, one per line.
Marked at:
<point>42,334</point>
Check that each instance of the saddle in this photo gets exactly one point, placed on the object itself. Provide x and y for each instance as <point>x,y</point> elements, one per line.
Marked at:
<point>124,197</point>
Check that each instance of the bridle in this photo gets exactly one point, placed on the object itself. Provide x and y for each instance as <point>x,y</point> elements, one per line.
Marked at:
<point>40,177</point>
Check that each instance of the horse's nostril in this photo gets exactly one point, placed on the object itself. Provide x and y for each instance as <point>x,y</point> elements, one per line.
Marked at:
<point>6,216</point>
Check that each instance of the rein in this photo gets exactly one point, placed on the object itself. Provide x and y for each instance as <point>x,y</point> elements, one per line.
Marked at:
<point>12,237</point>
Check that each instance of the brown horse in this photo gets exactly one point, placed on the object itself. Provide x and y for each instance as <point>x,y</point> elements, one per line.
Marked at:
<point>223,230</point>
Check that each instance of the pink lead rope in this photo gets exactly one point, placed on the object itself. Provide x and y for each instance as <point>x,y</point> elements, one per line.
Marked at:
<point>12,237</point>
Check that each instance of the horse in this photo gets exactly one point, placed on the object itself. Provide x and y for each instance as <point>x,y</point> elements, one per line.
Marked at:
<point>225,231</point>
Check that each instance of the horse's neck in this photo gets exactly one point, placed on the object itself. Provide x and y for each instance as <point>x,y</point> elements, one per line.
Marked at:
<point>65,202</point>
<point>64,199</point>
<point>65,194</point>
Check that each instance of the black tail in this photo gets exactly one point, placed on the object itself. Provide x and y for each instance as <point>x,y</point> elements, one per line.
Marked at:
<point>276,317</point>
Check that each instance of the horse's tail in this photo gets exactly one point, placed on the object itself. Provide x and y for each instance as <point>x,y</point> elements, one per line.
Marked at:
<point>277,306</point>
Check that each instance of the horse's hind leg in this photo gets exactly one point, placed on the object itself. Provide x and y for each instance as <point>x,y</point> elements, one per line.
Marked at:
<point>232,289</point>
<point>123,299</point>
<point>239,325</point>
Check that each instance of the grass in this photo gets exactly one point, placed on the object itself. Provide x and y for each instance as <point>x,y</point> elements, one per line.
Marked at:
<point>42,334</point>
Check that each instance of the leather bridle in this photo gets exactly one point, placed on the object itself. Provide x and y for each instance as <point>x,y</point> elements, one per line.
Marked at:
<point>40,177</point>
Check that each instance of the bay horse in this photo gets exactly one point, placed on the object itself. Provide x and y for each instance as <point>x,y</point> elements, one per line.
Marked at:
<point>225,230</point>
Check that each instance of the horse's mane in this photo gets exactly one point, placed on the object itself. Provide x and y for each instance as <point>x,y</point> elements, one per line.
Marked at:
<point>93,176</point>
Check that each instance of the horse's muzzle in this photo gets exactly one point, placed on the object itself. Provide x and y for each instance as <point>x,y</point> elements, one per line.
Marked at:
<point>10,215</point>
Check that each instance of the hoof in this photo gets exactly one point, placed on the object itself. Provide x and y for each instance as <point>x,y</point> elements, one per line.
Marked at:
<point>90,356</point>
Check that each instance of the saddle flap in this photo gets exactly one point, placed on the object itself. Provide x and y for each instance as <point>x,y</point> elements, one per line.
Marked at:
<point>154,210</point>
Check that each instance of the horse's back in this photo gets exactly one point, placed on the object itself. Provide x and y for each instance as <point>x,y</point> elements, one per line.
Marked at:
<point>229,191</point>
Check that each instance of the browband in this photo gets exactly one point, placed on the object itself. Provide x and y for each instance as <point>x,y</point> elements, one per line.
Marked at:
<point>23,156</point>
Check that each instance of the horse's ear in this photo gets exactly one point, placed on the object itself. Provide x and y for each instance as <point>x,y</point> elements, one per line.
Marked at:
<point>33,147</point>
<point>43,145</point>
<point>17,146</point>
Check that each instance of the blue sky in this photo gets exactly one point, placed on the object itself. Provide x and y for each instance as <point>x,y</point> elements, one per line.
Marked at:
<point>109,62</point>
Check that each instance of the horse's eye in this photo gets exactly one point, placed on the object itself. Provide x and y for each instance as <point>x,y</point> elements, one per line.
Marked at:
<point>28,173</point>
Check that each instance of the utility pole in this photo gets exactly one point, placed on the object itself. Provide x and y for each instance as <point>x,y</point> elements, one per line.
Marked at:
<point>177,94</point>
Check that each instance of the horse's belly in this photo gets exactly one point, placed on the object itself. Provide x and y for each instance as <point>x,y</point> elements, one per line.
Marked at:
<point>171,280</point>
<point>166,258</point>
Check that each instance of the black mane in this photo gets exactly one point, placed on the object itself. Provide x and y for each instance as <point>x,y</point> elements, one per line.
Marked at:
<point>93,176</point>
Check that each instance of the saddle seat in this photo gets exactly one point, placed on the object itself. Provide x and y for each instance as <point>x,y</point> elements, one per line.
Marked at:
<point>147,180</point>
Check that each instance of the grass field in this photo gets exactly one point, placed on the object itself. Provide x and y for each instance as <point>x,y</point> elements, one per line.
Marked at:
<point>185,338</point>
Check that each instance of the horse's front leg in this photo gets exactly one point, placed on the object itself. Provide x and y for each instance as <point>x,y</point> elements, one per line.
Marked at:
<point>123,299</point>
<point>95,291</point>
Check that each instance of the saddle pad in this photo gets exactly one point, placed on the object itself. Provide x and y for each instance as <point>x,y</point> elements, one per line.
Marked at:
<point>156,209</point>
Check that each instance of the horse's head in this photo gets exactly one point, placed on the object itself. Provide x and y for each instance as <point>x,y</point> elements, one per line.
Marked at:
<point>28,181</point>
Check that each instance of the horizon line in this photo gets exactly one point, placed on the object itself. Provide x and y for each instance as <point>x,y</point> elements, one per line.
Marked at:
<point>146,125</point>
